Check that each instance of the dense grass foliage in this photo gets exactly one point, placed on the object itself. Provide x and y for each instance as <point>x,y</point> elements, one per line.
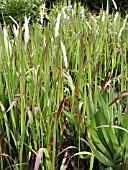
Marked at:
<point>64,93</point>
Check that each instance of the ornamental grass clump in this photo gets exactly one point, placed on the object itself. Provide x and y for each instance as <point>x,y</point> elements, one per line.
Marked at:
<point>64,94</point>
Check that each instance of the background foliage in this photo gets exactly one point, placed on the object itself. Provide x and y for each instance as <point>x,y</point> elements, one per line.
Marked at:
<point>19,8</point>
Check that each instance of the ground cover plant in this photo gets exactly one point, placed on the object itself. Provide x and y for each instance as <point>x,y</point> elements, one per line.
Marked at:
<point>64,92</point>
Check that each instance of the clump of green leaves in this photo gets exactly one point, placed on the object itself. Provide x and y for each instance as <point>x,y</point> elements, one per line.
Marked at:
<point>17,9</point>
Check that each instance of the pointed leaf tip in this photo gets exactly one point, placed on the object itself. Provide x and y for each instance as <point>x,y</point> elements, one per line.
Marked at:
<point>16,97</point>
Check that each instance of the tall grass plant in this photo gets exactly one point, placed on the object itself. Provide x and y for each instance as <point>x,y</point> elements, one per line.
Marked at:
<point>64,98</point>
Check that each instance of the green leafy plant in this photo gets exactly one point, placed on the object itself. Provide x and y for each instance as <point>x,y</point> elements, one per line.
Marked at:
<point>109,137</point>
<point>18,9</point>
